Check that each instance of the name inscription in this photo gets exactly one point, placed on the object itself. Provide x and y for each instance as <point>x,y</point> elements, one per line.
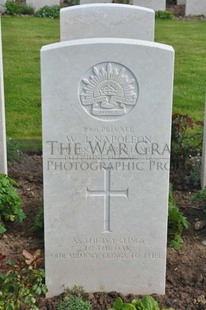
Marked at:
<point>107,147</point>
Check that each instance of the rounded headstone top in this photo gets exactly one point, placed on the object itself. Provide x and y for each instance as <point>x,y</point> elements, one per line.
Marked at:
<point>106,20</point>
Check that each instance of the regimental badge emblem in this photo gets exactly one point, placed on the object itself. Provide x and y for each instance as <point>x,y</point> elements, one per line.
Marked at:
<point>108,91</point>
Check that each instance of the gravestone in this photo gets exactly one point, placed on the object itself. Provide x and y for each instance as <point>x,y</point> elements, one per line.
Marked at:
<point>156,5</point>
<point>38,4</point>
<point>106,134</point>
<point>203,161</point>
<point>2,6</point>
<point>195,7</point>
<point>3,155</point>
<point>107,20</point>
<point>93,1</point>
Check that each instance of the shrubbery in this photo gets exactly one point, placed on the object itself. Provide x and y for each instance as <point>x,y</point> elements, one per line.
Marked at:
<point>16,8</point>
<point>10,203</point>
<point>21,8</point>
<point>200,196</point>
<point>39,221</point>
<point>49,11</point>
<point>184,143</point>
<point>176,223</point>
<point>21,281</point>
<point>74,303</point>
<point>164,15</point>
<point>145,303</point>
<point>73,300</point>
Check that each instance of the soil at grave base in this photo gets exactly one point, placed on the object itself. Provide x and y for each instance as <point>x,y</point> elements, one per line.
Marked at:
<point>186,269</point>
<point>178,10</point>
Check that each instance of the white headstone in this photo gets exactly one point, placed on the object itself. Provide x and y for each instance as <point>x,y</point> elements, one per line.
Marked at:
<point>93,1</point>
<point>156,5</point>
<point>195,7</point>
<point>106,20</point>
<point>203,162</point>
<point>2,6</point>
<point>3,153</point>
<point>38,4</point>
<point>107,106</point>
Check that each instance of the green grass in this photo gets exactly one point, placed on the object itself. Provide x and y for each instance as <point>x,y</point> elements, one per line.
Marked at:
<point>189,41</point>
<point>24,36</point>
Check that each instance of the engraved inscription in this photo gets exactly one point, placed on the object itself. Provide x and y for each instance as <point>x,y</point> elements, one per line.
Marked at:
<point>109,248</point>
<point>107,193</point>
<point>108,91</point>
<point>112,255</point>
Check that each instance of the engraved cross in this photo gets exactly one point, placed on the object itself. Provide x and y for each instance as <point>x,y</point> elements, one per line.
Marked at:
<point>107,193</point>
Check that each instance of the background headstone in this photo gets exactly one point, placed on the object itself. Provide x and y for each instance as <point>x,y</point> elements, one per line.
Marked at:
<point>106,20</point>
<point>203,161</point>
<point>3,153</point>
<point>38,4</point>
<point>195,7</point>
<point>106,130</point>
<point>93,1</point>
<point>2,6</point>
<point>156,5</point>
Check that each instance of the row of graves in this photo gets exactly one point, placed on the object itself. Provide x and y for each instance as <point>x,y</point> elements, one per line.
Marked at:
<point>192,7</point>
<point>107,92</point>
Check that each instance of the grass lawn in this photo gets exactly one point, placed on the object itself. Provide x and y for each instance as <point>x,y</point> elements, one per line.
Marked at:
<point>189,41</point>
<point>24,36</point>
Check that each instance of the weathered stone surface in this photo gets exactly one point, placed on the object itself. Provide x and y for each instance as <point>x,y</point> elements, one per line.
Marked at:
<point>195,7</point>
<point>2,6</point>
<point>106,20</point>
<point>106,130</point>
<point>3,155</point>
<point>38,4</point>
<point>156,5</point>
